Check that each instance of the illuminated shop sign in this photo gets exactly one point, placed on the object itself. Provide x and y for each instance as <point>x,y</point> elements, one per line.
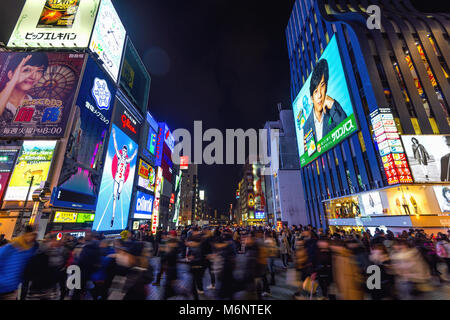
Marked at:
<point>158,185</point>
<point>143,206</point>
<point>390,147</point>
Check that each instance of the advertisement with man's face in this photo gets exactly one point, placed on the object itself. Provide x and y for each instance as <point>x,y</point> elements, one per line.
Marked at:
<point>114,198</point>
<point>443,196</point>
<point>32,166</point>
<point>323,109</point>
<point>428,157</point>
<point>37,90</point>
<point>55,24</point>
<point>146,176</point>
<point>80,176</point>
<point>108,38</point>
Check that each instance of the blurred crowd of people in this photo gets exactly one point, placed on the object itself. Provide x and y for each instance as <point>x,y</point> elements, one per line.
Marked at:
<point>318,264</point>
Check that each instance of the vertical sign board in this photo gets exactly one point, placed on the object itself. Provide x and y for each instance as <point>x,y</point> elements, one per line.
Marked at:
<point>159,147</point>
<point>158,185</point>
<point>80,176</point>
<point>37,90</point>
<point>390,147</point>
<point>114,198</point>
<point>134,78</point>
<point>108,38</point>
<point>54,24</point>
<point>7,161</point>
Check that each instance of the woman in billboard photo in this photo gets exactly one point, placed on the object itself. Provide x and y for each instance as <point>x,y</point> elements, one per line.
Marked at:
<point>22,73</point>
<point>421,155</point>
<point>327,113</point>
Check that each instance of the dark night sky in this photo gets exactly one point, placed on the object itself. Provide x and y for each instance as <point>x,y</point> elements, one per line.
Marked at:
<point>223,62</point>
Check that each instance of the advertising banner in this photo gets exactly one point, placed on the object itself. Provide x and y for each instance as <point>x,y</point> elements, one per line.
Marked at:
<point>371,203</point>
<point>108,38</point>
<point>167,164</point>
<point>390,147</point>
<point>85,217</point>
<point>34,160</point>
<point>158,185</point>
<point>159,147</point>
<point>146,176</point>
<point>55,24</point>
<point>65,217</point>
<point>124,119</point>
<point>428,157</point>
<point>323,109</point>
<point>443,196</point>
<point>143,206</point>
<point>37,90</point>
<point>168,137</point>
<point>114,198</point>
<point>4,178</point>
<point>8,158</point>
<point>134,78</point>
<point>80,176</point>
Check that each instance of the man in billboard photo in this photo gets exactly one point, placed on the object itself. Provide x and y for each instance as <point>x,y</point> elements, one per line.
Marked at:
<point>445,162</point>
<point>327,113</point>
<point>21,75</point>
<point>421,155</point>
<point>123,162</point>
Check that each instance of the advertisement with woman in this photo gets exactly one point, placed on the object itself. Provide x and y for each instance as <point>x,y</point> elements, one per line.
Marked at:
<point>323,109</point>
<point>37,90</point>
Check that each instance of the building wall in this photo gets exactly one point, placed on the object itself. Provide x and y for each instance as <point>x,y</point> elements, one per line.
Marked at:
<point>292,202</point>
<point>371,59</point>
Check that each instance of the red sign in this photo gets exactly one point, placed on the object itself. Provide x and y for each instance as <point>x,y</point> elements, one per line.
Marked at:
<point>184,162</point>
<point>4,177</point>
<point>126,123</point>
<point>172,198</point>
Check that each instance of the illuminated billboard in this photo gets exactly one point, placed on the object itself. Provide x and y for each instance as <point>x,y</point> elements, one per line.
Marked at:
<point>168,137</point>
<point>167,164</point>
<point>37,90</point>
<point>125,120</point>
<point>428,157</point>
<point>184,162</point>
<point>134,78</point>
<point>80,177</point>
<point>159,147</point>
<point>54,24</point>
<point>143,206</point>
<point>371,203</point>
<point>4,179</point>
<point>202,194</point>
<point>443,196</point>
<point>108,38</point>
<point>113,204</point>
<point>146,176</point>
<point>32,166</point>
<point>323,110</point>
<point>158,184</point>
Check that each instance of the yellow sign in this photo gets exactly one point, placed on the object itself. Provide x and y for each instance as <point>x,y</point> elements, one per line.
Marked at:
<point>65,217</point>
<point>251,200</point>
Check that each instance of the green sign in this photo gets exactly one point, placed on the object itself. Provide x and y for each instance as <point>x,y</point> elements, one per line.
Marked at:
<point>85,217</point>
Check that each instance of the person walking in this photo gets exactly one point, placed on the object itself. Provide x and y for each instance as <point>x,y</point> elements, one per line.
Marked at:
<point>14,258</point>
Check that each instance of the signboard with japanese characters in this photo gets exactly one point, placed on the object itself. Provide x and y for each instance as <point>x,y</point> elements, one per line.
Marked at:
<point>55,24</point>
<point>390,147</point>
<point>37,91</point>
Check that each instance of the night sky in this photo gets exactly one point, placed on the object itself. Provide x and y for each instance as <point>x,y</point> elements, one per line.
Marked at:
<point>224,62</point>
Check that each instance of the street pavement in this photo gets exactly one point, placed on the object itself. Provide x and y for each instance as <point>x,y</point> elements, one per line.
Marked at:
<point>280,291</point>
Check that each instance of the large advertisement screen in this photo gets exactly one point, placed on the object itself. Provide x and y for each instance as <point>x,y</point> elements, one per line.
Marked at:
<point>80,176</point>
<point>108,38</point>
<point>114,198</point>
<point>37,90</point>
<point>32,166</point>
<point>143,206</point>
<point>124,119</point>
<point>428,157</point>
<point>323,109</point>
<point>134,78</point>
<point>55,24</point>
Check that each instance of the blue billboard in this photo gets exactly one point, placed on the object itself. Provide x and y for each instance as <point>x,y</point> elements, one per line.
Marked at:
<point>114,198</point>
<point>79,182</point>
<point>143,206</point>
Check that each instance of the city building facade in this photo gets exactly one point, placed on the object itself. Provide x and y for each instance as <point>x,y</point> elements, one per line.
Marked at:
<point>377,155</point>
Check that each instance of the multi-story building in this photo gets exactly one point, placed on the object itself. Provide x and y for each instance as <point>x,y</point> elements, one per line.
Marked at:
<point>189,194</point>
<point>371,108</point>
<point>283,187</point>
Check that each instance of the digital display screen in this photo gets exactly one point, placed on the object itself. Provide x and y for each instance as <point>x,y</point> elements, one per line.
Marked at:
<point>323,111</point>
